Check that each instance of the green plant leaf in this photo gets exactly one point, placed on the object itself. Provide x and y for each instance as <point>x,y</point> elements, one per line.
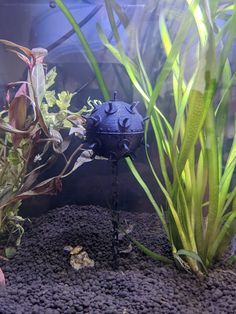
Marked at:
<point>14,157</point>
<point>199,102</point>
<point>222,234</point>
<point>50,97</point>
<point>88,51</point>
<point>38,82</point>
<point>50,78</point>
<point>231,260</point>
<point>10,252</point>
<point>64,99</point>
<point>192,255</point>
<point>227,174</point>
<point>151,253</point>
<point>147,191</point>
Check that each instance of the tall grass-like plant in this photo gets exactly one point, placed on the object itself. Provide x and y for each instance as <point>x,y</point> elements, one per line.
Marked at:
<point>200,214</point>
<point>200,218</point>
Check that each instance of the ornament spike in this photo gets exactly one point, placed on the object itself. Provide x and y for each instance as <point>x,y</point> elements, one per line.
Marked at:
<point>133,105</point>
<point>92,146</point>
<point>96,120</point>
<point>146,118</point>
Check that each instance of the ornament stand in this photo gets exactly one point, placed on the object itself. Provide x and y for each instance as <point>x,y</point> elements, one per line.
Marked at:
<point>115,215</point>
<point>114,130</point>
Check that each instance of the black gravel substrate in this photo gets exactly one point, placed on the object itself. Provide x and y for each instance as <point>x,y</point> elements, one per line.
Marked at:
<point>39,279</point>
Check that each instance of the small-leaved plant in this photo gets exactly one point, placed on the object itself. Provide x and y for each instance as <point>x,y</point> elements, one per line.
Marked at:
<point>31,139</point>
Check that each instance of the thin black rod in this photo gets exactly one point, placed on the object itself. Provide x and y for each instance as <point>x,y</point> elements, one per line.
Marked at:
<point>115,215</point>
<point>72,31</point>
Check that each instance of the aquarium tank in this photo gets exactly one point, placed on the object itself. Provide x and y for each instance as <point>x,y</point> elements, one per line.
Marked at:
<point>117,156</point>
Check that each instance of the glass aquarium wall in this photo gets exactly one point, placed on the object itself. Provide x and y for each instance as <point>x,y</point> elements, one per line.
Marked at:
<point>127,107</point>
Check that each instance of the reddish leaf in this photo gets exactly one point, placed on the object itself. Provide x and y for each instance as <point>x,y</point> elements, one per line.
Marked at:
<point>41,121</point>
<point>39,54</point>
<point>22,57</point>
<point>2,279</point>
<point>76,120</point>
<point>33,175</point>
<point>18,113</point>
<point>8,95</point>
<point>47,187</point>
<point>62,147</point>
<point>4,126</point>
<point>3,257</point>
<point>26,54</point>
<point>10,86</point>
<point>27,51</point>
<point>18,108</point>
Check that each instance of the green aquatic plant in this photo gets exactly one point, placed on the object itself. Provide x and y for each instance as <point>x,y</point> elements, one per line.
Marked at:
<point>196,181</point>
<point>200,218</point>
<point>31,141</point>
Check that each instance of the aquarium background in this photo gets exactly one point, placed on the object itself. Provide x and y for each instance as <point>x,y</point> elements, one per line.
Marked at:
<point>42,24</point>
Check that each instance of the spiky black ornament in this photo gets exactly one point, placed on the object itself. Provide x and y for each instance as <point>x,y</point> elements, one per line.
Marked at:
<point>114,129</point>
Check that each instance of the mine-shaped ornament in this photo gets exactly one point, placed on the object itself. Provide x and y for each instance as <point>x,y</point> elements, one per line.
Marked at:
<point>115,129</point>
